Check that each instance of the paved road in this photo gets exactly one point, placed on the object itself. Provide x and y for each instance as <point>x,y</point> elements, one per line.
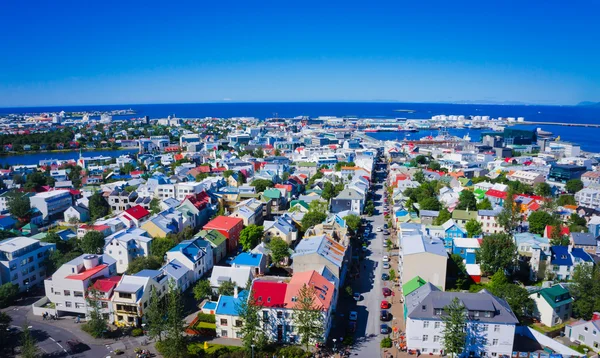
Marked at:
<point>370,285</point>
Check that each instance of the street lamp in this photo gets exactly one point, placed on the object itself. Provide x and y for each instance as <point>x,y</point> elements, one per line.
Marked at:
<point>334,347</point>
<point>252,345</point>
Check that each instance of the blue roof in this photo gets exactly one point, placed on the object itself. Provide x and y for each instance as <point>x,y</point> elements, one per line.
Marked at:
<point>175,269</point>
<point>580,254</point>
<point>209,305</point>
<point>148,273</point>
<point>247,259</point>
<point>227,305</point>
<point>561,256</point>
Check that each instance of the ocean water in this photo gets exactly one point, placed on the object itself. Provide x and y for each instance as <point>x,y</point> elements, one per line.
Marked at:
<point>34,158</point>
<point>588,138</point>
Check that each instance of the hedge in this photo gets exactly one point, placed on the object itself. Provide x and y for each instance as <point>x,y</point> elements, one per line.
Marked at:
<point>205,317</point>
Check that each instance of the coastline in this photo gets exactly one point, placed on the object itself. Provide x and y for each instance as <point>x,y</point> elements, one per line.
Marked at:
<point>14,154</point>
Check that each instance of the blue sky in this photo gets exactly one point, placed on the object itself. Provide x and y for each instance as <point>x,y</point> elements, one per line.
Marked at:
<point>112,52</point>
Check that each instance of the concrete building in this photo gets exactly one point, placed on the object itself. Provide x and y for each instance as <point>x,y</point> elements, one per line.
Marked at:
<point>588,197</point>
<point>553,305</point>
<point>126,245</point>
<point>178,191</point>
<point>52,204</point>
<point>416,248</point>
<point>527,177</point>
<point>132,294</point>
<point>195,254</point>
<point>22,261</point>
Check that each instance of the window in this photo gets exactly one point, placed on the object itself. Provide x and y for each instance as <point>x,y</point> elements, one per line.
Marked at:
<point>438,311</point>
<point>424,350</point>
<point>487,314</point>
<point>238,335</point>
<point>585,329</point>
<point>265,316</point>
<point>436,325</point>
<point>124,295</point>
<point>494,342</point>
<point>581,338</point>
<point>223,321</point>
<point>484,327</point>
<point>238,323</point>
<point>79,305</point>
<point>497,328</point>
<point>279,314</point>
<point>77,293</point>
<point>425,324</point>
<point>223,333</point>
<point>104,304</point>
<point>425,338</point>
<point>67,293</point>
<point>119,318</point>
<point>68,304</point>
<point>436,339</point>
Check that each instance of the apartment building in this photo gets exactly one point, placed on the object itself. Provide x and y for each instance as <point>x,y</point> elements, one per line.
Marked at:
<point>195,254</point>
<point>527,177</point>
<point>178,191</point>
<point>125,245</point>
<point>52,204</point>
<point>22,261</point>
<point>588,197</point>
<point>489,221</point>
<point>132,294</point>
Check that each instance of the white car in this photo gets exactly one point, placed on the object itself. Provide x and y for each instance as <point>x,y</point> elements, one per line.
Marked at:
<point>378,229</point>
<point>386,265</point>
<point>385,259</point>
<point>353,316</point>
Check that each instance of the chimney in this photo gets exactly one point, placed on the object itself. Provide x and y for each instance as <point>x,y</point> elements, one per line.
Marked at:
<point>595,316</point>
<point>235,292</point>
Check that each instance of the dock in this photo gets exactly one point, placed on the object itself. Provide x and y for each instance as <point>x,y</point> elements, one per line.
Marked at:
<point>564,124</point>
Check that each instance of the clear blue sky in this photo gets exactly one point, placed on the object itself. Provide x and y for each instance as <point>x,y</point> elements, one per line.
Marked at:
<point>112,52</point>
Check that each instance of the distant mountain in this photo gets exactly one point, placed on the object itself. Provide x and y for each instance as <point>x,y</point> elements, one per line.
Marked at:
<point>589,104</point>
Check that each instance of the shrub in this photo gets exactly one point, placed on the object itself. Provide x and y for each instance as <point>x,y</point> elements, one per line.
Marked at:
<point>136,332</point>
<point>205,317</point>
<point>293,352</point>
<point>386,342</point>
<point>348,340</point>
<point>200,325</point>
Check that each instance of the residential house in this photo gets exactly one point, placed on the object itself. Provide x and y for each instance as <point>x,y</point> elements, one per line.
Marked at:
<point>564,259</point>
<point>250,211</point>
<point>230,228</point>
<point>51,204</point>
<point>312,253</point>
<point>164,223</point>
<point>121,200</point>
<point>255,261</point>
<point>22,261</point>
<point>452,231</point>
<point>553,305</point>
<point>132,294</point>
<point>135,216</point>
<point>181,276</point>
<point>275,197</point>
<point>586,241</point>
<point>467,249</point>
<point>594,225</point>
<point>283,227</point>
<point>195,254</point>
<point>461,217</point>
<point>238,275</point>
<point>126,245</point>
<point>196,209</point>
<point>527,177</point>
<point>77,213</point>
<point>218,242</point>
<point>227,318</point>
<point>489,221</point>
<point>588,197</point>
<point>585,332</point>
<point>348,199</point>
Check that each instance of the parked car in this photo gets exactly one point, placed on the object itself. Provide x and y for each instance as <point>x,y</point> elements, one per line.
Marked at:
<point>353,316</point>
<point>385,226</point>
<point>384,329</point>
<point>386,292</point>
<point>384,315</point>
<point>385,304</point>
<point>352,326</point>
<point>378,229</point>
<point>386,265</point>
<point>386,232</point>
<point>357,296</point>
<point>386,259</point>
<point>385,277</point>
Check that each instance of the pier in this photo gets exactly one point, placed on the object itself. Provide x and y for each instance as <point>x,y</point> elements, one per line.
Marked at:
<point>564,124</point>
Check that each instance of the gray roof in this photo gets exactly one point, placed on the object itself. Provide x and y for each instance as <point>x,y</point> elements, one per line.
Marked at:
<point>481,301</point>
<point>429,213</point>
<point>493,212</point>
<point>175,269</point>
<point>584,238</point>
<point>350,194</point>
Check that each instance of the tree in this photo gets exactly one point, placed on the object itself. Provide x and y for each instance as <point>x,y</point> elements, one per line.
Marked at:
<point>160,246</point>
<point>259,153</point>
<point>279,249</point>
<point>497,252</point>
<point>227,173</point>
<point>308,317</point>
<point>454,333</point>
<point>509,217</point>
<point>98,206</point>
<point>200,177</point>
<point>516,296</point>
<point>250,236</point>
<point>577,223</point>
<point>328,191</point>
<point>285,176</point>
<point>419,177</point>
<point>543,189</point>
<point>155,315</point>
<point>443,216</point>
<point>155,206</point>
<point>35,180</point>
<point>467,201</point>
<point>261,184</point>
<point>8,293</point>
<point>5,321</point>
<point>96,324</point>
<point>202,290</point>
<point>584,289</point>
<point>227,288</point>
<point>433,165</point>
<point>92,242</point>
<point>557,238</point>
<point>18,205</point>
<point>175,325</point>
<point>538,221</point>
<point>353,222</point>
<point>430,203</point>
<point>566,200</point>
<point>277,152</point>
<point>312,218</point>
<point>318,206</point>
<point>29,348</point>
<point>143,263</point>
<point>252,331</point>
<point>574,185</point>
<point>484,204</point>
<point>473,228</point>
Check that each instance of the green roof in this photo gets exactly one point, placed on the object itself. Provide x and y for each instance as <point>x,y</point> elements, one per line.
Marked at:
<point>556,296</point>
<point>250,195</point>
<point>212,236</point>
<point>306,164</point>
<point>317,191</point>
<point>299,202</point>
<point>479,193</point>
<point>465,181</point>
<point>412,285</point>
<point>464,214</point>
<point>272,193</point>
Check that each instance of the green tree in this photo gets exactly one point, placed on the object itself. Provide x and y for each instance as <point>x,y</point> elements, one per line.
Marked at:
<point>467,201</point>
<point>29,348</point>
<point>312,218</point>
<point>497,252</point>
<point>509,217</point>
<point>392,275</point>
<point>252,331</point>
<point>98,206</point>
<point>279,249</point>
<point>261,185</point>
<point>353,222</point>
<point>484,204</point>
<point>227,288</point>
<point>5,321</point>
<point>577,223</point>
<point>250,236</point>
<point>92,242</point>
<point>35,180</point>
<point>8,294</point>
<point>328,191</point>
<point>143,263</point>
<point>202,290</point>
<point>155,206</point>
<point>419,176</point>
<point>430,203</point>
<point>433,165</point>
<point>454,333</point>
<point>175,325</point>
<point>96,324</point>
<point>18,205</point>
<point>473,228</point>
<point>543,189</point>
<point>227,173</point>
<point>308,317</point>
<point>160,246</point>
<point>538,221</point>
<point>557,238</point>
<point>155,315</point>
<point>443,216</point>
<point>566,200</point>
<point>285,176</point>
<point>574,185</point>
<point>584,289</point>
<point>516,296</point>
<point>200,177</point>
<point>259,153</point>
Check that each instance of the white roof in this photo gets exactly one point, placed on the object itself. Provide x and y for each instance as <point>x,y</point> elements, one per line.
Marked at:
<point>466,243</point>
<point>473,269</point>
<point>16,243</point>
<point>238,275</point>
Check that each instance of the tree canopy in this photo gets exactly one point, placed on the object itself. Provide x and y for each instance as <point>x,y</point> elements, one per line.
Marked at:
<point>538,221</point>
<point>574,185</point>
<point>262,184</point>
<point>250,236</point>
<point>353,222</point>
<point>484,204</point>
<point>467,201</point>
<point>585,290</point>
<point>92,242</point>
<point>542,189</point>
<point>143,263</point>
<point>473,228</point>
<point>18,205</point>
<point>98,206</point>
<point>279,249</point>
<point>497,252</point>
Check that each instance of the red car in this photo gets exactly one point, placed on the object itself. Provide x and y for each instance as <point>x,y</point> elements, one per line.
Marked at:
<point>386,292</point>
<point>385,305</point>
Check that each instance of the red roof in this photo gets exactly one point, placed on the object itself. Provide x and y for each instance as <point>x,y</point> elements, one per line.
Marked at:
<point>199,200</point>
<point>137,212</point>
<point>223,223</point>
<point>534,206</point>
<point>287,187</point>
<point>269,293</point>
<point>203,169</point>
<point>563,231</point>
<point>496,193</point>
<point>218,169</point>
<point>107,284</point>
<point>137,172</point>
<point>95,227</point>
<point>87,273</point>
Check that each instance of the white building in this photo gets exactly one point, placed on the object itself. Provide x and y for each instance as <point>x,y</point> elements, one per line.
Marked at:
<point>51,203</point>
<point>585,332</point>
<point>22,261</point>
<point>195,254</point>
<point>125,245</point>
<point>132,294</point>
<point>178,191</point>
<point>526,177</point>
<point>588,197</point>
<point>68,285</point>
<point>553,305</point>
<point>490,322</point>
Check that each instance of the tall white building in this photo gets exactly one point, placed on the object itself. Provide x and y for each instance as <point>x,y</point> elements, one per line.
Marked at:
<point>125,245</point>
<point>22,261</point>
<point>178,191</point>
<point>51,203</point>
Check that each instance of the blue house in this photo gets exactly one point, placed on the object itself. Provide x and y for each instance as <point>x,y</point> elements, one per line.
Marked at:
<point>452,231</point>
<point>466,248</point>
<point>594,226</point>
<point>7,222</point>
<point>257,262</point>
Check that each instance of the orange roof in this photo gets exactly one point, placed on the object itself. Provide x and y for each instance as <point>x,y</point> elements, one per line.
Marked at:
<point>87,273</point>
<point>323,289</point>
<point>571,207</point>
